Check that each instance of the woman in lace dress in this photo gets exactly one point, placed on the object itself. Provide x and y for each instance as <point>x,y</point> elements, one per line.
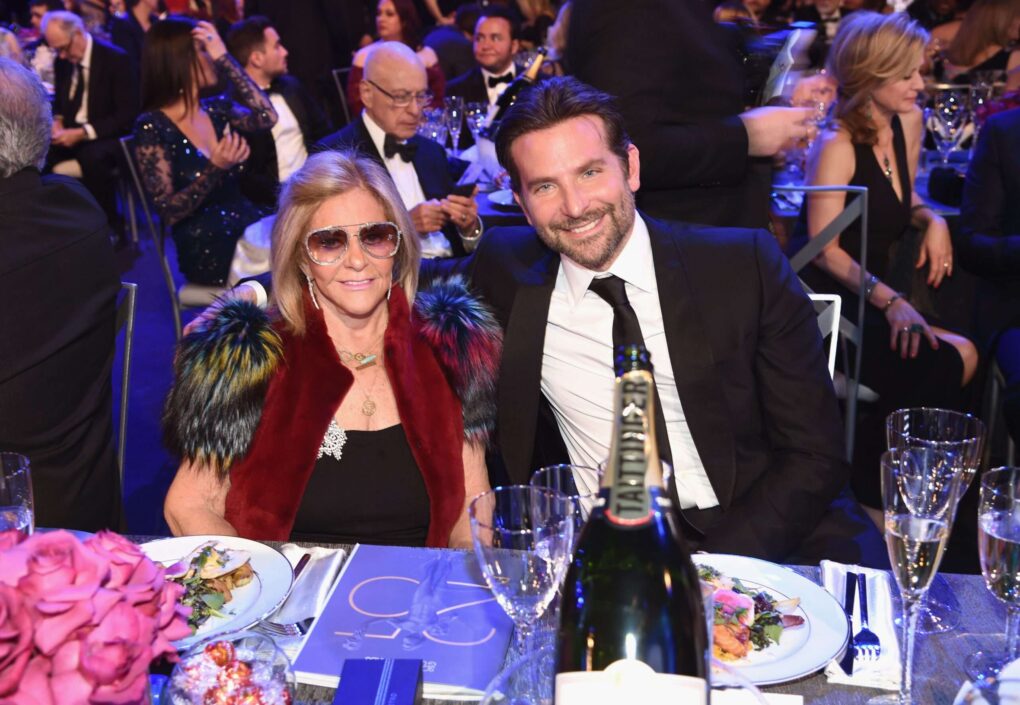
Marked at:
<point>361,414</point>
<point>187,149</point>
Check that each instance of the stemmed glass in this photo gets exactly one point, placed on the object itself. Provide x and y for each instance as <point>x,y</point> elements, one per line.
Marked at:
<point>16,505</point>
<point>433,125</point>
<point>523,538</point>
<point>920,487</point>
<point>951,110</point>
<point>964,434</point>
<point>454,113</point>
<point>999,549</point>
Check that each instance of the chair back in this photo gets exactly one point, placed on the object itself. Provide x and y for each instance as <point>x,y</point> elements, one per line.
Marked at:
<point>125,325</point>
<point>828,308</point>
<point>340,77</point>
<point>857,209</point>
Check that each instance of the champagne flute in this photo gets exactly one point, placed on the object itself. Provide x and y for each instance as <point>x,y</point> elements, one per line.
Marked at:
<point>999,549</point>
<point>454,112</point>
<point>948,430</point>
<point>919,492</point>
<point>17,514</point>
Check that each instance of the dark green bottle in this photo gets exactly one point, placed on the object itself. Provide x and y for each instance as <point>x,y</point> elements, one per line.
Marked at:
<point>632,590</point>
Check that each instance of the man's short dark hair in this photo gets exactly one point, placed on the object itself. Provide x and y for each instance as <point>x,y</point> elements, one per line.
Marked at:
<point>498,11</point>
<point>247,36</point>
<point>556,100</point>
<point>50,5</point>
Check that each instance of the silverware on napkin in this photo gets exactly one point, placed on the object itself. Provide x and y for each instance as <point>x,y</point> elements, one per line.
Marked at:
<point>866,642</point>
<point>297,628</point>
<point>847,662</point>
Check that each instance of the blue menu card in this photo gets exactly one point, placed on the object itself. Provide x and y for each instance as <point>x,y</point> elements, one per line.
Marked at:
<point>395,602</point>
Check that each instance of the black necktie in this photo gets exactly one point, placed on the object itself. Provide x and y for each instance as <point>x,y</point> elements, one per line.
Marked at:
<point>627,331</point>
<point>77,93</point>
<point>392,146</point>
<point>496,80</point>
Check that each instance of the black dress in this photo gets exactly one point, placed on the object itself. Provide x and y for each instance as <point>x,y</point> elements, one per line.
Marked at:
<point>390,506</point>
<point>202,203</point>
<point>930,379</point>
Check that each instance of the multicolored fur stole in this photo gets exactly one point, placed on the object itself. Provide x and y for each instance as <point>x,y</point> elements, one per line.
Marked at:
<point>223,368</point>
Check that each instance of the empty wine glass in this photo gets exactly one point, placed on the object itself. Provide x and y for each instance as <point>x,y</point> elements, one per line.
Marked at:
<point>523,538</point>
<point>476,115</point>
<point>578,482</point>
<point>962,433</point>
<point>920,486</point>
<point>999,550</point>
<point>951,110</point>
<point>433,125</point>
<point>454,113</point>
<point>17,513</point>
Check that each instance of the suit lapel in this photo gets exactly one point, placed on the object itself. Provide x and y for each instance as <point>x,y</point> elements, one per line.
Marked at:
<point>520,374</point>
<point>694,365</point>
<point>365,144</point>
<point>431,170</point>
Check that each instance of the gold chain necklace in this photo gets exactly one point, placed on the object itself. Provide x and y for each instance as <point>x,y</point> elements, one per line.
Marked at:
<point>360,360</point>
<point>368,406</point>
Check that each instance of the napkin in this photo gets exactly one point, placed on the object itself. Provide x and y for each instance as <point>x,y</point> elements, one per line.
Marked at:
<point>1008,691</point>
<point>885,672</point>
<point>308,596</point>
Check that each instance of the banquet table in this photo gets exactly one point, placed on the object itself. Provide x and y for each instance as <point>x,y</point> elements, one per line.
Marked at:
<point>939,658</point>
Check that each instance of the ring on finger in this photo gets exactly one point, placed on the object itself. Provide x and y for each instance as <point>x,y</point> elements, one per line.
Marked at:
<point>905,329</point>
<point>916,328</point>
<point>946,265</point>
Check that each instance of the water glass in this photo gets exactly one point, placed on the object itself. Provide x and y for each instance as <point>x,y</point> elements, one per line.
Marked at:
<point>523,539</point>
<point>433,125</point>
<point>578,482</point>
<point>17,510</point>
<point>920,488</point>
<point>999,550</point>
<point>952,112</point>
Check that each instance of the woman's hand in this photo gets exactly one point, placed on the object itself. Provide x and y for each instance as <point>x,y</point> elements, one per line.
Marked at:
<point>906,328</point>
<point>208,38</point>
<point>230,151</point>
<point>936,251</point>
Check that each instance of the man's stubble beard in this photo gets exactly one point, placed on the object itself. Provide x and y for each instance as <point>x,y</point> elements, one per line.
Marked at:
<point>596,255</point>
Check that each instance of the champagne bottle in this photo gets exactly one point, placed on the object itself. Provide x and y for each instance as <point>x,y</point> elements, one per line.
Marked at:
<point>508,97</point>
<point>632,591</point>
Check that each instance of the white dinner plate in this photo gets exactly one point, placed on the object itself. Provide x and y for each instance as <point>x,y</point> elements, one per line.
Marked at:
<point>801,650</point>
<point>503,197</point>
<point>256,600</point>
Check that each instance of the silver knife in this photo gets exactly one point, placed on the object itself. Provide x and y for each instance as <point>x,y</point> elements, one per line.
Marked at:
<point>847,662</point>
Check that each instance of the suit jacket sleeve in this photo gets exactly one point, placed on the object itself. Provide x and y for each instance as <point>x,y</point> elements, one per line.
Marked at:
<point>985,247</point>
<point>123,94</point>
<point>801,418</point>
<point>677,96</point>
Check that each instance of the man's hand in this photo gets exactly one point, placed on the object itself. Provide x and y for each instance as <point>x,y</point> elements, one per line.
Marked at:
<point>462,211</point>
<point>770,129</point>
<point>68,138</point>
<point>428,217</point>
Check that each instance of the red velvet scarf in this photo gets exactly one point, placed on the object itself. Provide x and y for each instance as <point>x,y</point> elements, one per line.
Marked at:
<point>268,483</point>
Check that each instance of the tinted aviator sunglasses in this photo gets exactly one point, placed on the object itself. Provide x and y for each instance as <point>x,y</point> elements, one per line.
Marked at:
<point>327,245</point>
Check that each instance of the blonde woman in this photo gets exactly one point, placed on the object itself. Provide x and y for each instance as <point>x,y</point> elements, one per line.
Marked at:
<point>875,141</point>
<point>361,413</point>
<point>986,41</point>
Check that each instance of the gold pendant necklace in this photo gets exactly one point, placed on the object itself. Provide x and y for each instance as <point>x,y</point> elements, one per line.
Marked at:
<point>887,166</point>
<point>368,406</point>
<point>360,360</point>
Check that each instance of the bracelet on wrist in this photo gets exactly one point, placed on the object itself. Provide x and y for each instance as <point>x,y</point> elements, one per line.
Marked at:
<point>869,286</point>
<point>892,299</point>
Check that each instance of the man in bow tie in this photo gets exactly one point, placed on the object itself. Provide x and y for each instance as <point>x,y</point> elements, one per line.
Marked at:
<point>495,43</point>
<point>394,91</point>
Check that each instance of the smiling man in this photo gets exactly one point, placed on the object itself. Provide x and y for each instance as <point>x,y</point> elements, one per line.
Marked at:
<point>749,418</point>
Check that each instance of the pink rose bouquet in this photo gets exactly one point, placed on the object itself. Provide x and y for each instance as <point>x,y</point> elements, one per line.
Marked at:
<point>80,622</point>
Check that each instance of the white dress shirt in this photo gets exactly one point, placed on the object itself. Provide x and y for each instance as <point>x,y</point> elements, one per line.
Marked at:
<point>82,116</point>
<point>496,91</point>
<point>405,177</point>
<point>290,141</point>
<point>577,365</point>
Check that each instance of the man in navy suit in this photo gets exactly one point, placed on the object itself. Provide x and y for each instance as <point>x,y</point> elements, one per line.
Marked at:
<point>394,91</point>
<point>989,246</point>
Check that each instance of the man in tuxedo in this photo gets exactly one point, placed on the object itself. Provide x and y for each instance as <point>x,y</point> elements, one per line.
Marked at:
<point>58,288</point>
<point>707,160</point>
<point>749,417</point>
<point>394,91</point>
<point>95,101</point>
<point>276,153</point>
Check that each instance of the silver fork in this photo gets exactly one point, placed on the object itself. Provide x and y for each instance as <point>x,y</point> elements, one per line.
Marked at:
<point>866,642</point>
<point>285,630</point>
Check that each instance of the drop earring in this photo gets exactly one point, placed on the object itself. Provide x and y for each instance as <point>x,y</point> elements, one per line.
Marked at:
<point>311,292</point>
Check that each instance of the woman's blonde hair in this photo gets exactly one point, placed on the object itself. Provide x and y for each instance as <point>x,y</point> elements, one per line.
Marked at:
<point>324,176</point>
<point>987,23</point>
<point>869,50</point>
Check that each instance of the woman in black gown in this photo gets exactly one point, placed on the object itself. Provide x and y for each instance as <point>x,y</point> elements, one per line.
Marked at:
<point>875,141</point>
<point>187,150</point>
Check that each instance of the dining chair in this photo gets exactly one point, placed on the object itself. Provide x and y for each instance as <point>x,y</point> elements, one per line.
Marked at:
<point>126,324</point>
<point>993,416</point>
<point>828,308</point>
<point>849,332</point>
<point>340,77</point>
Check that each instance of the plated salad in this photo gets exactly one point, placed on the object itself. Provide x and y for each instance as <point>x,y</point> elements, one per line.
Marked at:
<point>746,619</point>
<point>209,575</point>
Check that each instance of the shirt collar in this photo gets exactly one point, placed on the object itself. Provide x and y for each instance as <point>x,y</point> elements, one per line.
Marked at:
<point>86,59</point>
<point>634,265</point>
<point>487,74</point>
<point>377,134</point>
